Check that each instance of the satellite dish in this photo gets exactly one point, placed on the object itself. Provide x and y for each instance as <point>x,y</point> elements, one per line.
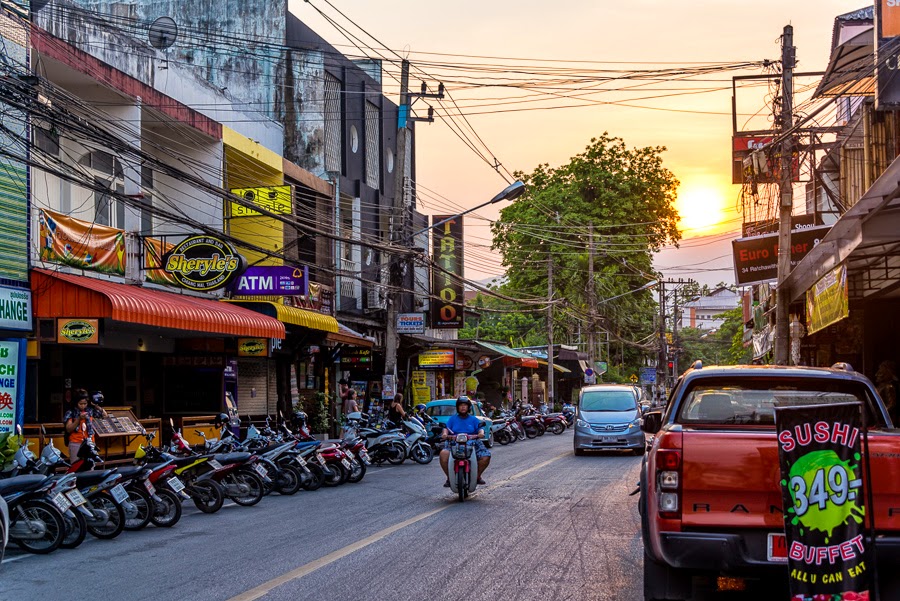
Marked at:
<point>163,33</point>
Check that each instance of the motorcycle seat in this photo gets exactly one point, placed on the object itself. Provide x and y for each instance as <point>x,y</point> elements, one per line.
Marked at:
<point>21,484</point>
<point>130,471</point>
<point>302,446</point>
<point>225,458</point>
<point>91,478</point>
<point>327,446</point>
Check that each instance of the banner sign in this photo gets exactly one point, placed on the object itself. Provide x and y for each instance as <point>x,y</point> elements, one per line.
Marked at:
<point>438,359</point>
<point>756,259</point>
<point>388,389</point>
<point>447,250</point>
<point>828,301</point>
<point>274,199</point>
<point>411,323</point>
<point>154,251</point>
<point>77,331</point>
<point>80,243</point>
<point>253,347</point>
<point>822,493</point>
<point>272,280</point>
<point>12,384</point>
<point>15,308</point>
<point>887,45</point>
<point>203,263</point>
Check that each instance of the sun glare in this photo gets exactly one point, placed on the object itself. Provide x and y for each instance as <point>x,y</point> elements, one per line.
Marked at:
<point>700,209</point>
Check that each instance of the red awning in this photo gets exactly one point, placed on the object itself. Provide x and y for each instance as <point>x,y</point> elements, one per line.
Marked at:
<point>66,295</point>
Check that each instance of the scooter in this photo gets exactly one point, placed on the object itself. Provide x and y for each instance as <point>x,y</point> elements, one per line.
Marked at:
<point>464,475</point>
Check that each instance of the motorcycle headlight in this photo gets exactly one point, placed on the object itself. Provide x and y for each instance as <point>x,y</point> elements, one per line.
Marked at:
<point>581,423</point>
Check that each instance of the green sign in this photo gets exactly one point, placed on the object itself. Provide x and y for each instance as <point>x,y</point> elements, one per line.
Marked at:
<point>10,379</point>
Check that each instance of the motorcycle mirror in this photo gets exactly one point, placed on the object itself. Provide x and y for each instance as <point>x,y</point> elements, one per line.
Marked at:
<point>19,430</point>
<point>171,423</point>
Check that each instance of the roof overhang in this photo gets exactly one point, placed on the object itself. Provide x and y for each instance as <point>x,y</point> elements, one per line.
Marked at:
<point>851,68</point>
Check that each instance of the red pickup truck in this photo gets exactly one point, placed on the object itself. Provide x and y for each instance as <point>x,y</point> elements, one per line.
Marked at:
<point>711,509</point>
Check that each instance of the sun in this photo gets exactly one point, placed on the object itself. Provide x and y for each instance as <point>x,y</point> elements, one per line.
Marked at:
<point>700,208</point>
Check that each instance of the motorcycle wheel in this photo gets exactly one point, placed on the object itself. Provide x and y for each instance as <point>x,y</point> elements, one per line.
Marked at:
<point>520,434</point>
<point>208,496</point>
<point>53,520</point>
<point>254,486</point>
<point>116,523</point>
<point>396,453</point>
<point>288,480</point>
<point>168,511</point>
<point>76,530</point>
<point>315,478</point>
<point>540,428</point>
<point>421,453</point>
<point>503,437</point>
<point>358,471</point>
<point>531,432</point>
<point>461,486</point>
<point>489,443</point>
<point>557,428</point>
<point>338,475</point>
<point>145,508</point>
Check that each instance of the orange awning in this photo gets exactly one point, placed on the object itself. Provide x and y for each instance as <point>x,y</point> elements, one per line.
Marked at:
<point>66,295</point>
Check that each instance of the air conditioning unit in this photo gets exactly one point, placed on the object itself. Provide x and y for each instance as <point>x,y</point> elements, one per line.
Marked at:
<point>376,300</point>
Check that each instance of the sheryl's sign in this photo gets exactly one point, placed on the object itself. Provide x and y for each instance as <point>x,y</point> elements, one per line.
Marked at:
<point>203,263</point>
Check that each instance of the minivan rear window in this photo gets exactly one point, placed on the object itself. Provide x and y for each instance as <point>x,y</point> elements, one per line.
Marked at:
<point>607,400</point>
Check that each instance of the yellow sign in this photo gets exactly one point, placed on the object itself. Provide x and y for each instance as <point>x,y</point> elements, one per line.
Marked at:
<point>253,347</point>
<point>419,378</point>
<point>438,359</point>
<point>77,331</point>
<point>828,302</point>
<point>421,394</point>
<point>633,378</point>
<point>274,199</point>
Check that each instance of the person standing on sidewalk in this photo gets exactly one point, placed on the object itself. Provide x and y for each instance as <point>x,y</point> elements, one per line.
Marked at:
<point>79,422</point>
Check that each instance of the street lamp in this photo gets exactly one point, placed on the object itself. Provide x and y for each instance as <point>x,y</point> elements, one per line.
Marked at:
<point>511,192</point>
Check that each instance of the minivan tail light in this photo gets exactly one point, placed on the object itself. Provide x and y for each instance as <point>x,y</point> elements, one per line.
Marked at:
<point>668,483</point>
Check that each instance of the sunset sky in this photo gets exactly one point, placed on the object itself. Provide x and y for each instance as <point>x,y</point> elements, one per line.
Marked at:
<point>583,37</point>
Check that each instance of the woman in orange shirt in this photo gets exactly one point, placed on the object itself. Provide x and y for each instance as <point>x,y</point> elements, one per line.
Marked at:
<point>79,422</point>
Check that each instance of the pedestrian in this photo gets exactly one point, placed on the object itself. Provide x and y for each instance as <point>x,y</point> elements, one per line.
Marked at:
<point>350,406</point>
<point>79,422</point>
<point>396,414</point>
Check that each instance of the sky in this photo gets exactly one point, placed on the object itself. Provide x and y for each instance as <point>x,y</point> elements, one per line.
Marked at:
<point>695,128</point>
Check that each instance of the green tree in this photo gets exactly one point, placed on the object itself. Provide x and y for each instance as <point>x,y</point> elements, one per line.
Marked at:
<point>723,346</point>
<point>495,319</point>
<point>627,196</point>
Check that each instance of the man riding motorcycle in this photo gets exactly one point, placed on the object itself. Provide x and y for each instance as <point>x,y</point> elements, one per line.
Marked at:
<point>465,423</point>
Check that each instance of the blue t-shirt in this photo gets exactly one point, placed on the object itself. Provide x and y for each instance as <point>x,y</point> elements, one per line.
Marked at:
<point>469,425</point>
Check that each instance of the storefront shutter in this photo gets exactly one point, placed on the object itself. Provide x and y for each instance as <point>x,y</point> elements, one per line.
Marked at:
<point>253,385</point>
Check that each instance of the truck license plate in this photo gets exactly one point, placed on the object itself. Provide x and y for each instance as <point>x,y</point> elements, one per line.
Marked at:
<point>776,549</point>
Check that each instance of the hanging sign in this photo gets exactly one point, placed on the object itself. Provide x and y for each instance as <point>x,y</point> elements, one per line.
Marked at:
<point>203,263</point>
<point>81,244</point>
<point>272,280</point>
<point>822,492</point>
<point>411,323</point>
<point>446,281</point>
<point>77,331</point>
<point>12,390</point>
<point>274,199</point>
<point>828,301</point>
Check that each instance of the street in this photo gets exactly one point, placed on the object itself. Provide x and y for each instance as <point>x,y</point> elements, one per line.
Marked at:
<point>549,525</point>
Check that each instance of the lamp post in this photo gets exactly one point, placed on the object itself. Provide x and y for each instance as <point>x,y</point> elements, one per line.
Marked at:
<point>511,192</point>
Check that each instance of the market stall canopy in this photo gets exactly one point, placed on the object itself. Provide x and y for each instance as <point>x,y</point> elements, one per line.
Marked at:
<point>59,294</point>
<point>345,335</point>
<point>518,357</point>
<point>291,315</point>
<point>556,366</point>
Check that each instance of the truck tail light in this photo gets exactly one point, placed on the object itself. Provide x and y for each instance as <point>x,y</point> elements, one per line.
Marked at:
<point>668,483</point>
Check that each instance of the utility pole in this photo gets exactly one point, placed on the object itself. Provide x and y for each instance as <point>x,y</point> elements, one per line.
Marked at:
<point>662,367</point>
<point>590,296</point>
<point>677,350</point>
<point>549,398</point>
<point>398,227</point>
<point>786,202</point>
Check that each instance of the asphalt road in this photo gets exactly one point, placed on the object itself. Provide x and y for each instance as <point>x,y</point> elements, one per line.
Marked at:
<point>549,525</point>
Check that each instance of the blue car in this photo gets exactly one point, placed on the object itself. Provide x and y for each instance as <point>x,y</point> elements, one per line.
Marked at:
<point>442,409</point>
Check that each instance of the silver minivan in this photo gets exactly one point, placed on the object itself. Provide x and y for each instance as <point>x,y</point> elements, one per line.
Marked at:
<point>608,416</point>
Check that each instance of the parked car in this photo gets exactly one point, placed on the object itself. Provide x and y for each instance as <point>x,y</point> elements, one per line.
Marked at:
<point>442,409</point>
<point>608,417</point>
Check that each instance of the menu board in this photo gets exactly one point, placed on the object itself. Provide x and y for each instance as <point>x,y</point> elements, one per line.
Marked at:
<point>123,423</point>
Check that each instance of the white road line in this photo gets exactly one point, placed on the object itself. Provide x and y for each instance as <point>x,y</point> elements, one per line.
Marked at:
<point>12,559</point>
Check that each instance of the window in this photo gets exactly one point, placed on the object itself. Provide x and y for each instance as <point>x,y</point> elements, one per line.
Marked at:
<point>46,141</point>
<point>108,174</point>
<point>608,400</point>
<point>373,157</point>
<point>333,121</point>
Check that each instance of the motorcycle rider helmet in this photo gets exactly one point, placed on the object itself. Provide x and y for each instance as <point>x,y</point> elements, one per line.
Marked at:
<point>222,419</point>
<point>420,408</point>
<point>298,419</point>
<point>97,398</point>
<point>463,400</point>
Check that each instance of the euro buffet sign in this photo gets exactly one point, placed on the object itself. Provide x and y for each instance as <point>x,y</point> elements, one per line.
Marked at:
<point>447,250</point>
<point>203,263</point>
<point>756,258</point>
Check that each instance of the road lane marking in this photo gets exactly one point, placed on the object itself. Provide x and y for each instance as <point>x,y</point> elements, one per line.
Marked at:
<point>266,587</point>
<point>12,559</point>
<point>306,569</point>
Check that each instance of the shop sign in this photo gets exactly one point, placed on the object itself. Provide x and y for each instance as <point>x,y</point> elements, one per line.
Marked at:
<point>419,377</point>
<point>15,308</point>
<point>825,544</point>
<point>770,226</point>
<point>828,301</point>
<point>446,275</point>
<point>356,356</point>
<point>272,280</point>
<point>253,347</point>
<point>273,199</point>
<point>203,263</point>
<point>438,359</point>
<point>12,372</point>
<point>77,331</point>
<point>81,244</point>
<point>411,323</point>
<point>388,388</point>
<point>756,258</point>
<point>464,362</point>
<point>484,362</point>
<point>887,46</point>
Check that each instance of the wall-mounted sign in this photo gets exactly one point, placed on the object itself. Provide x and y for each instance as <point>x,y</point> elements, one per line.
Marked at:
<point>12,384</point>
<point>411,323</point>
<point>464,362</point>
<point>15,309</point>
<point>446,276</point>
<point>253,347</point>
<point>438,359</point>
<point>756,259</point>
<point>77,331</point>
<point>81,244</point>
<point>356,356</point>
<point>484,362</point>
<point>203,263</point>
<point>272,280</point>
<point>274,199</point>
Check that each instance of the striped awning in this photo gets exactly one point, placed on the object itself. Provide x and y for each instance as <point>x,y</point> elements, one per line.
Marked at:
<point>291,315</point>
<point>58,294</point>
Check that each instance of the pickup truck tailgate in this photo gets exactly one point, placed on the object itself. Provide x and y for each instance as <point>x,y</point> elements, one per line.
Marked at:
<point>730,479</point>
